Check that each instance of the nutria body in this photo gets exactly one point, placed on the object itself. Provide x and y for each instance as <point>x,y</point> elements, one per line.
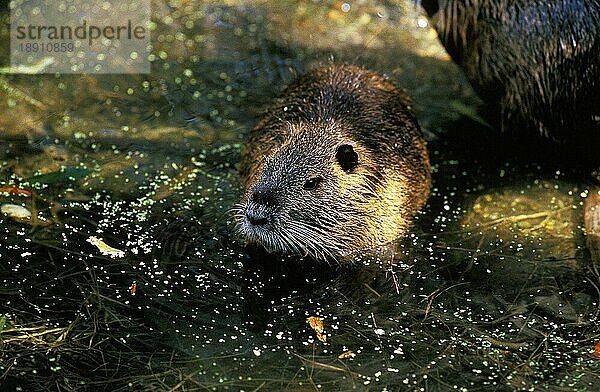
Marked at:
<point>537,61</point>
<point>337,165</point>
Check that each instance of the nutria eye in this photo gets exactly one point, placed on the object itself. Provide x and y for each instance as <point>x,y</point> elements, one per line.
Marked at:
<point>346,157</point>
<point>313,183</point>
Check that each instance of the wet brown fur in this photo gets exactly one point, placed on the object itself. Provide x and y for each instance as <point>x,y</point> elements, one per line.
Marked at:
<point>537,61</point>
<point>297,139</point>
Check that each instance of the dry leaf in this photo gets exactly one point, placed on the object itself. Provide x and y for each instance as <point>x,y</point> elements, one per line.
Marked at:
<point>13,190</point>
<point>317,325</point>
<point>346,354</point>
<point>133,288</point>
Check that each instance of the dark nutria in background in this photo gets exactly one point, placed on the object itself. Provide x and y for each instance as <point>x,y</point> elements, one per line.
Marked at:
<point>337,165</point>
<point>538,61</point>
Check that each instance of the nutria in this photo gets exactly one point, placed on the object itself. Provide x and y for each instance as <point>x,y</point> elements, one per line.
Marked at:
<point>338,164</point>
<point>537,61</point>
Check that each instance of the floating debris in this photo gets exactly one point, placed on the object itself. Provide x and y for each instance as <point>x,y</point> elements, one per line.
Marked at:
<point>133,288</point>
<point>317,325</point>
<point>105,249</point>
<point>13,190</point>
<point>346,355</point>
<point>15,211</point>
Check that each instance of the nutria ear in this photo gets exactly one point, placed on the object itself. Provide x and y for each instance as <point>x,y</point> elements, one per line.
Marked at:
<point>346,157</point>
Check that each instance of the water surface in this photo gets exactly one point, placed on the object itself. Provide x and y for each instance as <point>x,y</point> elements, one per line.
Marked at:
<point>493,288</point>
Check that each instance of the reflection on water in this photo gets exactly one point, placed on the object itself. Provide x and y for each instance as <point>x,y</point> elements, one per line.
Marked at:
<point>493,288</point>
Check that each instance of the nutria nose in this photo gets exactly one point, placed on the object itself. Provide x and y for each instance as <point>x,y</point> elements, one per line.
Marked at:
<point>257,218</point>
<point>263,196</point>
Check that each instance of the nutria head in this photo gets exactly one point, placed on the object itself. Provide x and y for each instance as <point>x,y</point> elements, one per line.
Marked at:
<point>338,165</point>
<point>323,197</point>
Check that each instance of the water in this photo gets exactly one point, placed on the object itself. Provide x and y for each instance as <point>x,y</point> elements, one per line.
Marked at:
<point>493,288</point>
